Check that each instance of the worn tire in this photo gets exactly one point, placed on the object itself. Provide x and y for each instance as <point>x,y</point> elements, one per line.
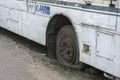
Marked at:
<point>67,50</point>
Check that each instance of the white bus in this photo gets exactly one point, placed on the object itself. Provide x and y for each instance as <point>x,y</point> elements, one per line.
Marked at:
<point>74,31</point>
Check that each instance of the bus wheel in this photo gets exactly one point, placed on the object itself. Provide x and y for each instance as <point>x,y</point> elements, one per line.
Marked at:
<point>67,50</point>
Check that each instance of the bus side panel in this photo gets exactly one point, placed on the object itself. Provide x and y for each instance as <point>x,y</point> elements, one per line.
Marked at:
<point>102,31</point>
<point>15,15</point>
<point>15,21</point>
<point>107,62</point>
<point>117,54</point>
<point>34,27</point>
<point>4,15</point>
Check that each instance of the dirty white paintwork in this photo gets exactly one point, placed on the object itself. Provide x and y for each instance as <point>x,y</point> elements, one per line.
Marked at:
<point>100,31</point>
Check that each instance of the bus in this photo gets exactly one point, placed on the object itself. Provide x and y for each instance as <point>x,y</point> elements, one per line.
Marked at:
<point>75,32</point>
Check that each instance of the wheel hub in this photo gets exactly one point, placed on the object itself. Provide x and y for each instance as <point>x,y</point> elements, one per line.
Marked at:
<point>66,50</point>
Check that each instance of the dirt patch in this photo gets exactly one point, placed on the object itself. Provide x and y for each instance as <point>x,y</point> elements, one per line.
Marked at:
<point>22,59</point>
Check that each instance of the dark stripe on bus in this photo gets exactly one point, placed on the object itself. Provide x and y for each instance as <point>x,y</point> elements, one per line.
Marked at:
<point>84,6</point>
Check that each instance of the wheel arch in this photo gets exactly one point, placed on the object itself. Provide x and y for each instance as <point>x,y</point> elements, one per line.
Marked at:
<point>56,22</point>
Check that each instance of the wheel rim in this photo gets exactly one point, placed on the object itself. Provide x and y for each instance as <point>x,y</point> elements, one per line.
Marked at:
<point>67,50</point>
